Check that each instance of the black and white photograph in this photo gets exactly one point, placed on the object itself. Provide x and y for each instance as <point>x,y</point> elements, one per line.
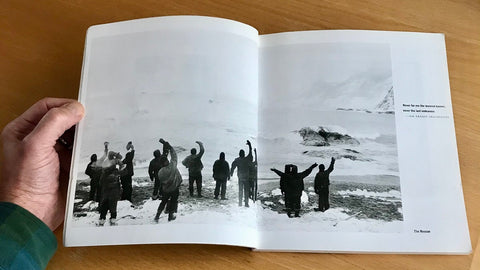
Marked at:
<point>170,137</point>
<point>199,130</point>
<point>328,158</point>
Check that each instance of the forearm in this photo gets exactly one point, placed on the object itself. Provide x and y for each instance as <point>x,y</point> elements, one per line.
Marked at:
<point>330,168</point>
<point>173,154</point>
<point>307,172</point>
<point>202,150</point>
<point>279,173</point>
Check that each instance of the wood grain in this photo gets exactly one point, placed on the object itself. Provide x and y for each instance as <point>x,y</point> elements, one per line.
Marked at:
<point>41,47</point>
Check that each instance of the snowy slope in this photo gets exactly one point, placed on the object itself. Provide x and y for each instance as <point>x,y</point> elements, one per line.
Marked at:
<point>387,104</point>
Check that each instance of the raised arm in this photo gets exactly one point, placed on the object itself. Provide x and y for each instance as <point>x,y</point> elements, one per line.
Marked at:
<point>249,156</point>
<point>330,168</point>
<point>105,153</point>
<point>255,151</point>
<point>202,149</point>
<point>279,173</point>
<point>168,148</point>
<point>308,171</point>
<point>173,155</point>
<point>165,147</point>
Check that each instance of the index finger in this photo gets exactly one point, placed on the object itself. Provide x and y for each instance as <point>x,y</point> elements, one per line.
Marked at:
<point>27,121</point>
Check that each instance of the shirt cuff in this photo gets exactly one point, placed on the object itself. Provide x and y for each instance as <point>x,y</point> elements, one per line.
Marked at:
<point>25,241</point>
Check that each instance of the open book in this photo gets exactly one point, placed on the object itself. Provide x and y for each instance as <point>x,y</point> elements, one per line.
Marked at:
<point>351,141</point>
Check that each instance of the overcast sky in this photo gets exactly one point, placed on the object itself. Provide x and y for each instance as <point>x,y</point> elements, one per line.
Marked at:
<point>328,75</point>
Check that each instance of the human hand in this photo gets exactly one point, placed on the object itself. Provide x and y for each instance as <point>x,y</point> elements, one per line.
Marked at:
<point>248,142</point>
<point>314,165</point>
<point>34,162</point>
<point>199,142</point>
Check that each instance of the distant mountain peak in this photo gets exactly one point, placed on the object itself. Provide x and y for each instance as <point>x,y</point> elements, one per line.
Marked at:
<point>387,103</point>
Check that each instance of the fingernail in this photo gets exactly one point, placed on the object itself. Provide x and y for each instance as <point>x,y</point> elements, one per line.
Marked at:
<point>74,107</point>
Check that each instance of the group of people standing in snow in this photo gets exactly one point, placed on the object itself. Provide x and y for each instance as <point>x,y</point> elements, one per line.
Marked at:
<point>292,186</point>
<point>111,178</point>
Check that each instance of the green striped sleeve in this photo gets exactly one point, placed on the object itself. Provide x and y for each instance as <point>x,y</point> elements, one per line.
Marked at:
<point>25,241</point>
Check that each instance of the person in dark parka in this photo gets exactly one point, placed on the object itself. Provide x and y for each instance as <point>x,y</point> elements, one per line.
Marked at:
<point>243,163</point>
<point>171,180</point>
<point>193,162</point>
<point>254,177</point>
<point>110,185</point>
<point>94,172</point>
<point>293,187</point>
<point>283,185</point>
<point>126,178</point>
<point>155,165</point>
<point>221,173</point>
<point>321,185</point>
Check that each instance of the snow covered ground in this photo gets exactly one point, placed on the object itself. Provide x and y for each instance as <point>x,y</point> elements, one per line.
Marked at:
<point>355,207</point>
<point>334,219</point>
<point>191,210</point>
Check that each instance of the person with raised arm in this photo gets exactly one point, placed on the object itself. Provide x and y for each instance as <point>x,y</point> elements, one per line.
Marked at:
<point>126,177</point>
<point>112,168</point>
<point>193,162</point>
<point>322,183</point>
<point>243,163</point>
<point>171,180</point>
<point>98,165</point>
<point>253,174</point>
<point>293,187</point>
<point>283,184</point>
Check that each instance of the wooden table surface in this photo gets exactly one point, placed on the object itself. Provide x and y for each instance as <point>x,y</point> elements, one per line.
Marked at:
<point>41,47</point>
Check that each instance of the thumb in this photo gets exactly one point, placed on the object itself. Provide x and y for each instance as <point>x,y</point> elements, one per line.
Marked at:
<point>54,123</point>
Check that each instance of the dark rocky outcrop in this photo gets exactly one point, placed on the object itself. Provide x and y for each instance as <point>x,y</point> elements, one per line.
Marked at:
<point>324,137</point>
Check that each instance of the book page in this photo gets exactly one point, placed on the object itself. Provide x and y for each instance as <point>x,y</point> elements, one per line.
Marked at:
<point>358,127</point>
<point>190,81</point>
